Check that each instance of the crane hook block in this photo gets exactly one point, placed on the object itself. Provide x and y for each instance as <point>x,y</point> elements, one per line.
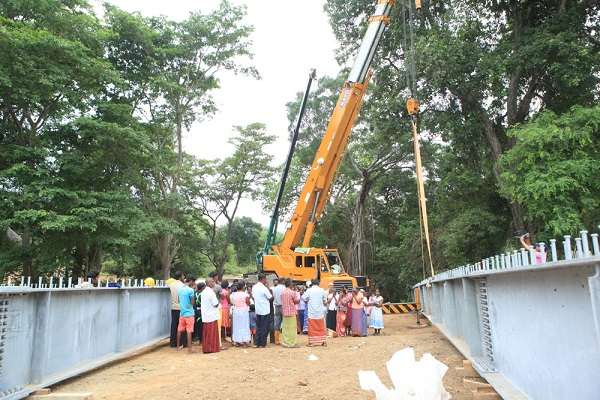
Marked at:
<point>413,106</point>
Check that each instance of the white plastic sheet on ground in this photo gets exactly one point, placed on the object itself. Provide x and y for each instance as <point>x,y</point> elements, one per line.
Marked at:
<point>413,380</point>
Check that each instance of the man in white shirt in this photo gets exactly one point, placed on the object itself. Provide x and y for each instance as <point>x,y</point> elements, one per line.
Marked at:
<point>332,299</point>
<point>210,318</point>
<point>262,302</point>
<point>278,288</point>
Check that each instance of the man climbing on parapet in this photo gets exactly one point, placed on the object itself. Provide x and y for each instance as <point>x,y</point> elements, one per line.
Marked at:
<point>540,248</point>
<point>92,280</point>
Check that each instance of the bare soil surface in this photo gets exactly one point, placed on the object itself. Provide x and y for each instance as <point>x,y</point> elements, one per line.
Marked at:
<point>271,373</point>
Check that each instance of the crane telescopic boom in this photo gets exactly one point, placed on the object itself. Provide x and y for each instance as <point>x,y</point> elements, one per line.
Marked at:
<point>315,192</point>
<point>302,262</point>
<point>272,232</point>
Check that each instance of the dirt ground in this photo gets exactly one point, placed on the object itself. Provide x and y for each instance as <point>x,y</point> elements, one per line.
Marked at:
<point>272,373</point>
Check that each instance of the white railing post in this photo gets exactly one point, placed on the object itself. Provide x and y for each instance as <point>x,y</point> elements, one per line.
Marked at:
<point>595,244</point>
<point>567,244</point>
<point>578,247</point>
<point>585,244</point>
<point>532,255</point>
<point>524,258</point>
<point>553,249</point>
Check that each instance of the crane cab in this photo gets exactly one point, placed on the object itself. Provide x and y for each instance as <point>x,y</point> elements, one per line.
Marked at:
<point>303,264</point>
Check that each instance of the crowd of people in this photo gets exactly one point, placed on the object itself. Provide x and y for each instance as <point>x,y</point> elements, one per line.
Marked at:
<point>210,311</point>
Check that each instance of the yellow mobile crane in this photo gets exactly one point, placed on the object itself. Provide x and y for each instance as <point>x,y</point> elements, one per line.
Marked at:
<point>293,258</point>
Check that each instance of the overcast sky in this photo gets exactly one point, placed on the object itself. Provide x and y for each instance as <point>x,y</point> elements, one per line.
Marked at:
<point>289,39</point>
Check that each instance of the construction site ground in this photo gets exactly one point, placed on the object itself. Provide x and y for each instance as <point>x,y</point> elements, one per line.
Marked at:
<point>161,372</point>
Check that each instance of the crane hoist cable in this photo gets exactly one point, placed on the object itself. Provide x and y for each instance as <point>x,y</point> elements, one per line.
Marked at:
<point>412,106</point>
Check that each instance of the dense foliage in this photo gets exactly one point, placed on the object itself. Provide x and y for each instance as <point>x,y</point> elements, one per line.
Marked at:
<point>508,96</point>
<point>93,113</point>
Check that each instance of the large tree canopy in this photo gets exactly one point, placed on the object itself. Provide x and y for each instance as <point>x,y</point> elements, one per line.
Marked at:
<point>93,114</point>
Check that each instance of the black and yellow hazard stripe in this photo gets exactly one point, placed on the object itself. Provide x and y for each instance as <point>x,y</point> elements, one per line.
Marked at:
<point>400,308</point>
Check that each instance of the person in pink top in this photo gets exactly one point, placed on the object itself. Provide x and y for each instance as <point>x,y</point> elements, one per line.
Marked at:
<point>357,312</point>
<point>225,321</point>
<point>241,321</point>
<point>298,319</point>
<point>540,249</point>
<point>342,312</point>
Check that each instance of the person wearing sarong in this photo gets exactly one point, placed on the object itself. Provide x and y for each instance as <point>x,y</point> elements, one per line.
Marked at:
<point>289,335</point>
<point>299,318</point>
<point>376,313</point>
<point>316,298</point>
<point>240,335</point>
<point>210,318</point>
<point>305,319</point>
<point>357,312</point>
<point>366,311</point>
<point>342,310</point>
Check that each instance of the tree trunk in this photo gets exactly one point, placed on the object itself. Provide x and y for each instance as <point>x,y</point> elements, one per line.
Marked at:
<point>27,264</point>
<point>96,258</point>
<point>166,254</point>
<point>360,250</point>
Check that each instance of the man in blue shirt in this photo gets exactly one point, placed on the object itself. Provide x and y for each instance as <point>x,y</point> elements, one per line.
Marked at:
<point>262,301</point>
<point>186,316</point>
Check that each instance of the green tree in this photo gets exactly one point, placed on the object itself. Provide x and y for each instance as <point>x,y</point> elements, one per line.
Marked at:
<point>506,61</point>
<point>245,237</point>
<point>553,169</point>
<point>52,65</point>
<point>222,184</point>
<point>480,68</point>
<point>171,69</point>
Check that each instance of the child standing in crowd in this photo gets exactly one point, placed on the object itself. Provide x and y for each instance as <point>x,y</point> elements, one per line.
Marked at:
<point>252,317</point>
<point>249,289</point>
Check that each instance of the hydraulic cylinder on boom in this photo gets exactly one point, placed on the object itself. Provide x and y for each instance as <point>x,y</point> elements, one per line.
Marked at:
<point>294,257</point>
